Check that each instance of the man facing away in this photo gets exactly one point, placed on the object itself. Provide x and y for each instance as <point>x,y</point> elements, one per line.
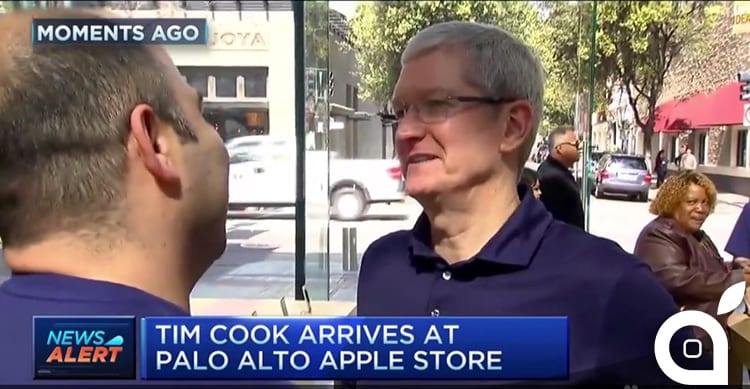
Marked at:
<point>560,194</point>
<point>688,160</point>
<point>469,99</point>
<point>113,193</point>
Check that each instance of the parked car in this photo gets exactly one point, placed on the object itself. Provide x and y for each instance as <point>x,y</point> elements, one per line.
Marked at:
<point>622,174</point>
<point>262,173</point>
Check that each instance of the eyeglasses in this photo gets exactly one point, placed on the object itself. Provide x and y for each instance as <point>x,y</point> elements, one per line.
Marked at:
<point>433,111</point>
<point>576,144</point>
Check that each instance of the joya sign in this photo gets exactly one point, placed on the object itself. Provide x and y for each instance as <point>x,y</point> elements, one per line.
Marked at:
<point>231,35</point>
<point>719,374</point>
<point>237,40</point>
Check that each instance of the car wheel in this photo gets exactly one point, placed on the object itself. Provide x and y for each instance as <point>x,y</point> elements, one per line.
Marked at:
<point>348,204</point>
<point>643,197</point>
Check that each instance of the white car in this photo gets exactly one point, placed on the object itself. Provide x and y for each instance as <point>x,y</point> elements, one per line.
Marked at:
<point>262,173</point>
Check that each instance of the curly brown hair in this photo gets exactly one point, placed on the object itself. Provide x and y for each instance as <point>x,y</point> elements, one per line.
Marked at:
<point>673,192</point>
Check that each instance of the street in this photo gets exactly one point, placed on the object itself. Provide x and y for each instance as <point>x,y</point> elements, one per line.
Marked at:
<point>259,260</point>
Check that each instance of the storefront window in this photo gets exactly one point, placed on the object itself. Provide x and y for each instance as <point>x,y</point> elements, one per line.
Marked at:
<point>197,78</point>
<point>226,82</point>
<point>256,80</point>
<point>232,123</point>
<point>702,143</point>
<point>741,158</point>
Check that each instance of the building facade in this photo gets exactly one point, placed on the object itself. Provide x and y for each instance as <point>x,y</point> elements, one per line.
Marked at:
<point>245,72</point>
<point>701,100</point>
<point>356,130</point>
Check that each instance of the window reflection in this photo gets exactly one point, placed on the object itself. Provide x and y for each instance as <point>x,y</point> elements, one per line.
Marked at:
<point>741,158</point>
<point>255,81</point>
<point>197,78</point>
<point>252,81</point>
<point>236,122</point>
<point>226,82</point>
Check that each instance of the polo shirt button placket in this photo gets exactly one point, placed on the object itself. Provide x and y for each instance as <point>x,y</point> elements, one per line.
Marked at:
<point>447,275</point>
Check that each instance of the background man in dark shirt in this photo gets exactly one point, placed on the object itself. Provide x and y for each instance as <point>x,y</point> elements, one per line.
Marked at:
<point>560,193</point>
<point>113,188</point>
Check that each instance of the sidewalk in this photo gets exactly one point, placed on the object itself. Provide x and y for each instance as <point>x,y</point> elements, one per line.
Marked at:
<point>732,199</point>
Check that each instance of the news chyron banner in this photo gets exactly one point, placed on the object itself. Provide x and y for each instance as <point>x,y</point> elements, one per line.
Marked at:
<point>119,31</point>
<point>84,347</point>
<point>303,348</point>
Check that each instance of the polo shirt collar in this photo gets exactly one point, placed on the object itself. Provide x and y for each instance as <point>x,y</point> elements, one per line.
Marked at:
<point>515,243</point>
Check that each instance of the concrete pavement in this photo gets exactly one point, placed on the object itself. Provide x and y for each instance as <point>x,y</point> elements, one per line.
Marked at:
<point>259,261</point>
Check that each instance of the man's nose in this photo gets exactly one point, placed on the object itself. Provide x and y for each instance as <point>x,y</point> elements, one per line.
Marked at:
<point>408,128</point>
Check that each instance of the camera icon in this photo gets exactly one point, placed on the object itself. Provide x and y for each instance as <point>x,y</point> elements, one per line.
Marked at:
<point>697,349</point>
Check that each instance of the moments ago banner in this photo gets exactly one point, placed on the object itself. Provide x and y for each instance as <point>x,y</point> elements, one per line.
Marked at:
<point>308,348</point>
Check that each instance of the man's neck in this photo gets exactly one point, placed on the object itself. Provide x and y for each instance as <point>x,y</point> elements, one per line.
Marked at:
<point>122,263</point>
<point>463,223</point>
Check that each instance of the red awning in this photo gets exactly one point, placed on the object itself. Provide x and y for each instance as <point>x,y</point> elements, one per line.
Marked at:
<point>723,107</point>
<point>686,113</point>
<point>678,115</point>
<point>662,115</point>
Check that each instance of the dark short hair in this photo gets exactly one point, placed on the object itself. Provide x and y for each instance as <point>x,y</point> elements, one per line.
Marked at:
<point>64,122</point>
<point>556,133</point>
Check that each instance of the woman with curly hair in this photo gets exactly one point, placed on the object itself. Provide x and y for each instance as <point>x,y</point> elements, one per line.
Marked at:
<point>681,255</point>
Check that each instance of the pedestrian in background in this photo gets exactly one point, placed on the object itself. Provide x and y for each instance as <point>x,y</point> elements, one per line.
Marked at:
<point>660,168</point>
<point>530,179</point>
<point>688,161</point>
<point>469,100</point>
<point>680,253</point>
<point>560,193</point>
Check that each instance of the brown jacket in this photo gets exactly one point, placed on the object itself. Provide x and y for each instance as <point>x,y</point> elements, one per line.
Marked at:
<point>688,265</point>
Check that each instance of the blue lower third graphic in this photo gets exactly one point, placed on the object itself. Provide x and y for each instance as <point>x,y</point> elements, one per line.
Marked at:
<point>84,347</point>
<point>372,348</point>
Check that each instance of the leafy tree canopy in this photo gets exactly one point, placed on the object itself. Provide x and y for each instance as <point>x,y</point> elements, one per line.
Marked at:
<point>381,30</point>
<point>638,42</point>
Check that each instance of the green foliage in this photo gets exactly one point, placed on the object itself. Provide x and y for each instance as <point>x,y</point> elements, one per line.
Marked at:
<point>566,35</point>
<point>637,43</point>
<point>381,30</point>
<point>316,34</point>
<point>644,39</point>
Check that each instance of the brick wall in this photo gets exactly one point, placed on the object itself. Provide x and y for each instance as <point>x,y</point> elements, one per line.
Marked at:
<point>716,62</point>
<point>722,56</point>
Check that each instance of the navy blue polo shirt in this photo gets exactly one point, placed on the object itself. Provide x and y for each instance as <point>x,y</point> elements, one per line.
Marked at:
<point>738,243</point>
<point>533,266</point>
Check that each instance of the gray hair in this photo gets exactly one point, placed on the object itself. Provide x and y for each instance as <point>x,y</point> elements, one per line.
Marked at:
<point>553,138</point>
<point>501,63</point>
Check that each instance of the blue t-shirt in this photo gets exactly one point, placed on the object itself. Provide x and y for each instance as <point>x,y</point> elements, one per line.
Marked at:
<point>739,241</point>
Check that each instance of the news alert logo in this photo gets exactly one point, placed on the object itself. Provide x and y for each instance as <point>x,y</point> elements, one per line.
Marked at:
<point>84,347</point>
<point>730,300</point>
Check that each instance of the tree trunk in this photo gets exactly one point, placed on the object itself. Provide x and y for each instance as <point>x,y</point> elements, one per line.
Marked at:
<point>648,134</point>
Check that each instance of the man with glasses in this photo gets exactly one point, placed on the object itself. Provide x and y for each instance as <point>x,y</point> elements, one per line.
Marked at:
<point>469,102</point>
<point>560,193</point>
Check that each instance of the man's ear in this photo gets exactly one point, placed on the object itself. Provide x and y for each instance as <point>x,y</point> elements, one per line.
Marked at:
<point>149,143</point>
<point>517,125</point>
